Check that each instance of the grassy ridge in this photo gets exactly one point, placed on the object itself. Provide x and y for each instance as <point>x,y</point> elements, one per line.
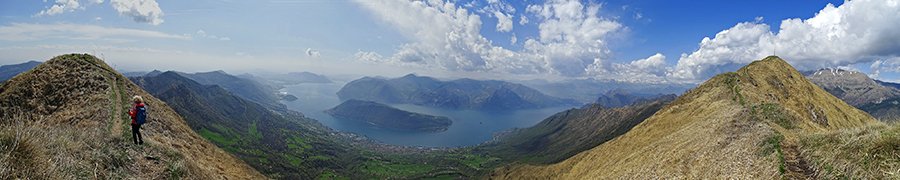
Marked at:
<point>69,129</point>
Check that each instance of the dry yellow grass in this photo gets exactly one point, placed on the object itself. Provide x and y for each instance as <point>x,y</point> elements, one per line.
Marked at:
<point>718,130</point>
<point>63,120</point>
<point>870,152</point>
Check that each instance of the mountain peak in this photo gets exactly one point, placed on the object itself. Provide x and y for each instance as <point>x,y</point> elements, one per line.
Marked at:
<point>716,131</point>
<point>617,91</point>
<point>772,80</point>
<point>410,75</point>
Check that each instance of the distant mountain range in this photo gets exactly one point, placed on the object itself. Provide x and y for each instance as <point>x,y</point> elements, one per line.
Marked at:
<point>9,71</point>
<point>299,77</point>
<point>245,88</point>
<point>857,89</point>
<point>459,94</point>
<point>382,115</point>
<point>586,91</point>
<point>248,86</point>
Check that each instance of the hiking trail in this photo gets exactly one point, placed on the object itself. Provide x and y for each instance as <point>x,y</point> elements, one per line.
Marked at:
<point>795,165</point>
<point>117,126</point>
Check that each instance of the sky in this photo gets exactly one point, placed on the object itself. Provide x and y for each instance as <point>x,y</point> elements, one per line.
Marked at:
<point>634,40</point>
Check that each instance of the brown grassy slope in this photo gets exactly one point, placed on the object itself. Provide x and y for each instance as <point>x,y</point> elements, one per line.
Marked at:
<point>65,119</point>
<point>718,130</point>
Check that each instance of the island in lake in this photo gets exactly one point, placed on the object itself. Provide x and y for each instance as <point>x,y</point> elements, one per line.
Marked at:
<point>385,116</point>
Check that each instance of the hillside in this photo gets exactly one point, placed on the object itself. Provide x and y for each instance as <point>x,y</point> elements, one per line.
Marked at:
<point>382,115</point>
<point>65,119</point>
<point>857,89</point>
<point>616,98</point>
<point>279,145</point>
<point>570,132</point>
<point>9,71</point>
<point>764,121</point>
<point>887,110</point>
<point>245,88</point>
<point>459,94</point>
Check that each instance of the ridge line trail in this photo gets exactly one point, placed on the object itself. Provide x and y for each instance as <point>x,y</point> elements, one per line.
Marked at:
<point>795,165</point>
<point>117,112</point>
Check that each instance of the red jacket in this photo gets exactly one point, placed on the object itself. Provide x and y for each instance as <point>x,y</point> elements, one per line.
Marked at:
<point>133,112</point>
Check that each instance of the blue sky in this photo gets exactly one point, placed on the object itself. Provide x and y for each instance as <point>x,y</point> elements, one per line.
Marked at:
<point>647,41</point>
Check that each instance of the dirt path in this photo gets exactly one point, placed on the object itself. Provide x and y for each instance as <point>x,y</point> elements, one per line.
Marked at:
<point>795,164</point>
<point>117,112</point>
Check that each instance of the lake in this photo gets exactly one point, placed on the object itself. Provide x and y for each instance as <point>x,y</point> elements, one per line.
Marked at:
<point>470,127</point>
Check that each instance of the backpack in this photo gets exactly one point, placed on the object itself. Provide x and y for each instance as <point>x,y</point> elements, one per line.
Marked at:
<point>141,115</point>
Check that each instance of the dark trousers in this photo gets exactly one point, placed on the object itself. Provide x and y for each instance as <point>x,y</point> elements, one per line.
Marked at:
<point>136,133</point>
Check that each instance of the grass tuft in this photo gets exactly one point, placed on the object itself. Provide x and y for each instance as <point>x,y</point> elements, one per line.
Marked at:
<point>870,152</point>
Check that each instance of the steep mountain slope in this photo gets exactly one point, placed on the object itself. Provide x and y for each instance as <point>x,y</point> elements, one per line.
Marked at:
<point>742,125</point>
<point>853,87</point>
<point>874,97</point>
<point>277,144</point>
<point>887,110</point>
<point>245,88</point>
<point>9,71</point>
<point>461,93</point>
<point>616,98</point>
<point>570,132</point>
<point>382,115</point>
<point>65,119</point>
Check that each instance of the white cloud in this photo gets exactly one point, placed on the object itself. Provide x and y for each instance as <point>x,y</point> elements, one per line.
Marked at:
<point>503,11</point>
<point>141,11</point>
<point>504,23</point>
<point>369,57</point>
<point>202,33</point>
<point>98,18</point>
<point>523,20</point>
<point>572,36</point>
<point>445,36</point>
<point>60,7</point>
<point>891,65</point>
<point>513,39</point>
<point>655,65</point>
<point>638,15</point>
<point>311,53</point>
<point>858,31</point>
<point>652,69</point>
<point>30,32</point>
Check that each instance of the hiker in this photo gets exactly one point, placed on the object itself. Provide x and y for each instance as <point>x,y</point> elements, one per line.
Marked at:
<point>138,117</point>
